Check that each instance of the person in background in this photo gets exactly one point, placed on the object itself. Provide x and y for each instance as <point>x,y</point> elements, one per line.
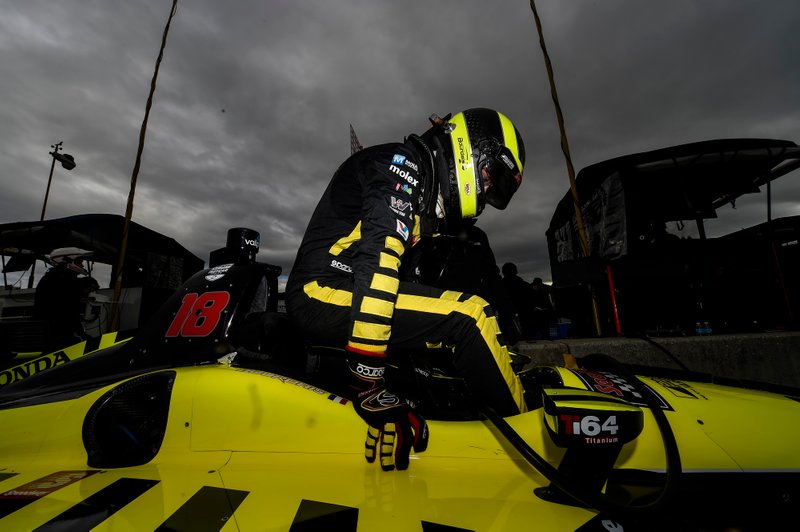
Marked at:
<point>59,295</point>
<point>345,289</point>
<point>542,313</point>
<point>521,296</point>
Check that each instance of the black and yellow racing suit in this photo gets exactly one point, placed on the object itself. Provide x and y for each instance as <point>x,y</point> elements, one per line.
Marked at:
<point>345,290</point>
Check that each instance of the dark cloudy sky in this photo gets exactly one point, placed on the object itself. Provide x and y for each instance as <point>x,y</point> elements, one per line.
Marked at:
<point>255,97</point>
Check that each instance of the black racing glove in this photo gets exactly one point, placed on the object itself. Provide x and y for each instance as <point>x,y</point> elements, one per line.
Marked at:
<point>394,427</point>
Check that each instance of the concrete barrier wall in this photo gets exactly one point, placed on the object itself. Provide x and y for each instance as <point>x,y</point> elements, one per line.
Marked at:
<point>772,358</point>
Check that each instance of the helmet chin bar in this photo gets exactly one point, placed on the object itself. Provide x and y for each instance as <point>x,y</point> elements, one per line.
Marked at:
<point>502,174</point>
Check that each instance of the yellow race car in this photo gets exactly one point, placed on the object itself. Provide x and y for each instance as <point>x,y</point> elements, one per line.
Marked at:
<point>215,417</point>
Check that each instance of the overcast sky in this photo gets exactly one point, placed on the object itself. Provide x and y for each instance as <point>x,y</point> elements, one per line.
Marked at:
<point>254,100</point>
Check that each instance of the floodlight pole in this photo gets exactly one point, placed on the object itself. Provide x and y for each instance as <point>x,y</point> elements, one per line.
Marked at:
<point>54,154</point>
<point>568,158</point>
<point>56,147</point>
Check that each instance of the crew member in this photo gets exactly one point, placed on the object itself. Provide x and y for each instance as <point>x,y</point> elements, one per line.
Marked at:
<point>58,297</point>
<point>345,288</point>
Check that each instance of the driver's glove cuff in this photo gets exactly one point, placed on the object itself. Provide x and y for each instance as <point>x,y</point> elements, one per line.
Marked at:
<point>366,371</point>
<point>394,427</point>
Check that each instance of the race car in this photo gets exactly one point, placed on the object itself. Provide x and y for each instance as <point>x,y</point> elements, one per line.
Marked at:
<point>217,417</point>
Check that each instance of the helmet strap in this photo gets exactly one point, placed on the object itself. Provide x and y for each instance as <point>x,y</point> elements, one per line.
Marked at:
<point>445,201</point>
<point>440,211</point>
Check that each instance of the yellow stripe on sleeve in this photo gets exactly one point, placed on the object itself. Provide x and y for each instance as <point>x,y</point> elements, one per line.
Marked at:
<point>395,245</point>
<point>389,261</point>
<point>346,241</point>
<point>371,331</point>
<point>384,283</point>
<point>377,307</point>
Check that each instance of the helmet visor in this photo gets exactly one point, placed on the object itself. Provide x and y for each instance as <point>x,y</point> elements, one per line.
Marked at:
<point>501,177</point>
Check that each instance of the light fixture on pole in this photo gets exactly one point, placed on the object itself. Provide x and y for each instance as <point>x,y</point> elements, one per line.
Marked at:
<point>68,163</point>
<point>66,160</point>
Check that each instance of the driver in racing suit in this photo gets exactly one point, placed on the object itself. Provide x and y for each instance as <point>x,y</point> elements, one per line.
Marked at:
<point>345,289</point>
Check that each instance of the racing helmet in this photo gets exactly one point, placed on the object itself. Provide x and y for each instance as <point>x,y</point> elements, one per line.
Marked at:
<point>485,156</point>
<point>70,257</point>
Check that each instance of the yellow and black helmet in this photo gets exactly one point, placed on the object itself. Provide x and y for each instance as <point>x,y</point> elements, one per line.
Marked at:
<point>485,156</point>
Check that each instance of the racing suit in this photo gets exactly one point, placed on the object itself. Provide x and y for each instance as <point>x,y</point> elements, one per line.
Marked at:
<point>345,290</point>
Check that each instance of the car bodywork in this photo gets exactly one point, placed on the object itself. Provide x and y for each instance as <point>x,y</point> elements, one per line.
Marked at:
<point>200,424</point>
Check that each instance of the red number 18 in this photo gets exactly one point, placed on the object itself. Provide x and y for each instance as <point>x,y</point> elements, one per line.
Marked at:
<point>199,314</point>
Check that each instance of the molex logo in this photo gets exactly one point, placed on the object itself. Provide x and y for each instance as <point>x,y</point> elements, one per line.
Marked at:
<point>405,174</point>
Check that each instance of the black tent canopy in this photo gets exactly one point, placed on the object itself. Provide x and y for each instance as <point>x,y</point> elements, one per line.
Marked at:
<point>152,259</point>
<point>658,279</point>
<point>629,197</point>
